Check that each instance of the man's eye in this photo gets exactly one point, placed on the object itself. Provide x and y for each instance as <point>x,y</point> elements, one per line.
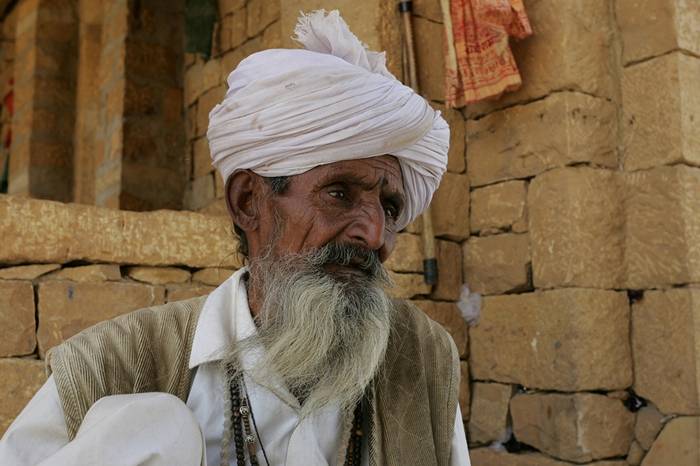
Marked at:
<point>338,194</point>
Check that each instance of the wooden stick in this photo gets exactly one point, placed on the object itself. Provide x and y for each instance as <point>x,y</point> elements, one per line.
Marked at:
<point>430,266</point>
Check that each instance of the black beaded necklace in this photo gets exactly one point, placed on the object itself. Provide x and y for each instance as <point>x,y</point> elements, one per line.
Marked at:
<point>244,439</point>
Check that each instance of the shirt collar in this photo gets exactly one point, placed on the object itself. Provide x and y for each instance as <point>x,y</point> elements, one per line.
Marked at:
<point>225,317</point>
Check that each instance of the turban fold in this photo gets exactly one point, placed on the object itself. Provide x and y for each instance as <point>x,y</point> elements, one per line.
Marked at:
<point>287,111</point>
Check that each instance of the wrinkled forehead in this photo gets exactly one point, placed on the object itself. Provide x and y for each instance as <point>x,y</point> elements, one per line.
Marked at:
<point>384,168</point>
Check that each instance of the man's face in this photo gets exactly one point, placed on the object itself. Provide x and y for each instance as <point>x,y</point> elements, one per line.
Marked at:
<point>354,202</point>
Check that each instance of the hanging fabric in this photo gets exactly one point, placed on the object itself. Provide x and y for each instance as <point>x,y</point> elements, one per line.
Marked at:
<point>479,63</point>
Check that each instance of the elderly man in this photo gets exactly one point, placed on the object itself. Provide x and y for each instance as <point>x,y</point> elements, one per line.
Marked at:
<point>300,358</point>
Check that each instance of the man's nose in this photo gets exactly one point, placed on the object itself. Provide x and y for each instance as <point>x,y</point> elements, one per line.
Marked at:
<point>368,226</point>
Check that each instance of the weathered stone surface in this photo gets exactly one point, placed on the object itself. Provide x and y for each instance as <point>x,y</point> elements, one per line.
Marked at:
<point>653,27</point>
<point>407,255</point>
<point>17,318</point>
<point>19,380</point>
<point>635,455</point>
<point>563,129</point>
<point>449,284</point>
<point>213,276</point>
<point>666,349</point>
<point>66,308</point>
<point>497,264</point>
<point>158,275</point>
<point>464,391</point>
<point>456,160</point>
<point>663,227</point>
<point>200,192</point>
<point>261,13</point>
<point>430,66</point>
<point>89,273</point>
<point>677,445</point>
<point>489,415</point>
<point>450,207</point>
<point>407,285</point>
<point>45,231</point>
<point>648,425</point>
<point>27,272</point>
<point>499,207</point>
<point>576,223</point>
<point>579,427</point>
<point>447,315</point>
<point>555,57</point>
<point>181,292</point>
<point>661,90</point>
<point>489,457</point>
<point>567,340</point>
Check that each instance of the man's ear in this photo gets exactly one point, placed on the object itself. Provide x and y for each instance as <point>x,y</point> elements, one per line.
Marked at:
<point>241,193</point>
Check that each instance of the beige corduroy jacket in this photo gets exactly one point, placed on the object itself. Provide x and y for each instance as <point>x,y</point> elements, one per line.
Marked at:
<point>411,402</point>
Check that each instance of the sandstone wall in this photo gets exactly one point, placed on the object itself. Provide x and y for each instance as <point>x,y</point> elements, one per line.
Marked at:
<point>570,205</point>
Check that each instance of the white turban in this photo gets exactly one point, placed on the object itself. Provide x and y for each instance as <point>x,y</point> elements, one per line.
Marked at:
<point>287,111</point>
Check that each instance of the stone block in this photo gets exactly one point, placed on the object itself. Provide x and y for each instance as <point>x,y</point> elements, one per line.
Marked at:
<point>66,308</point>
<point>450,207</point>
<point>566,340</point>
<point>429,37</point>
<point>497,264</point>
<point>206,102</point>
<point>201,158</point>
<point>577,228</point>
<point>447,315</point>
<point>429,9</point>
<point>193,82</point>
<point>230,6</point>
<point>200,192</point>
<point>492,457</point>
<point>272,36</point>
<point>233,31</point>
<point>489,413</point>
<point>27,272</point>
<point>579,427</point>
<point>456,159</point>
<point>651,28</point>
<point>45,231</point>
<point>498,208</point>
<point>666,349</point>
<point>182,292</point>
<point>213,276</point>
<point>648,425</point>
<point>216,208</point>
<point>407,255</point>
<point>663,227</point>
<point>261,13</point>
<point>464,391</point>
<point>555,58</point>
<point>17,318</point>
<point>89,273</point>
<point>635,455</point>
<point>407,285</point>
<point>19,381</point>
<point>661,90</point>
<point>211,74</point>
<point>563,129</point>
<point>449,284</point>
<point>677,445</point>
<point>158,275</point>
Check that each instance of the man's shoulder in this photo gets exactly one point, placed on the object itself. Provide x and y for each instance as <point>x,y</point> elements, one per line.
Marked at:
<point>414,330</point>
<point>143,326</point>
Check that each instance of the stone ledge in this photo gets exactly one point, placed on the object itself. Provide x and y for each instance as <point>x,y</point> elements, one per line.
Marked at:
<point>52,232</point>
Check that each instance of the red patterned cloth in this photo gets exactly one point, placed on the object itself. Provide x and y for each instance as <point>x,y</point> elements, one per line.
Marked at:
<point>479,63</point>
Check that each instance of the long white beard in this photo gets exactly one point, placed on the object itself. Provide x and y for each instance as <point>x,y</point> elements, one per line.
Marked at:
<point>324,333</point>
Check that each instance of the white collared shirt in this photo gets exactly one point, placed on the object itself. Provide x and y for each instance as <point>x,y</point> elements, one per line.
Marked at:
<point>40,431</point>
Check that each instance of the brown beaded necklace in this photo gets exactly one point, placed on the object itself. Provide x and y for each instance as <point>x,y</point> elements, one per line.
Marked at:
<point>244,439</point>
